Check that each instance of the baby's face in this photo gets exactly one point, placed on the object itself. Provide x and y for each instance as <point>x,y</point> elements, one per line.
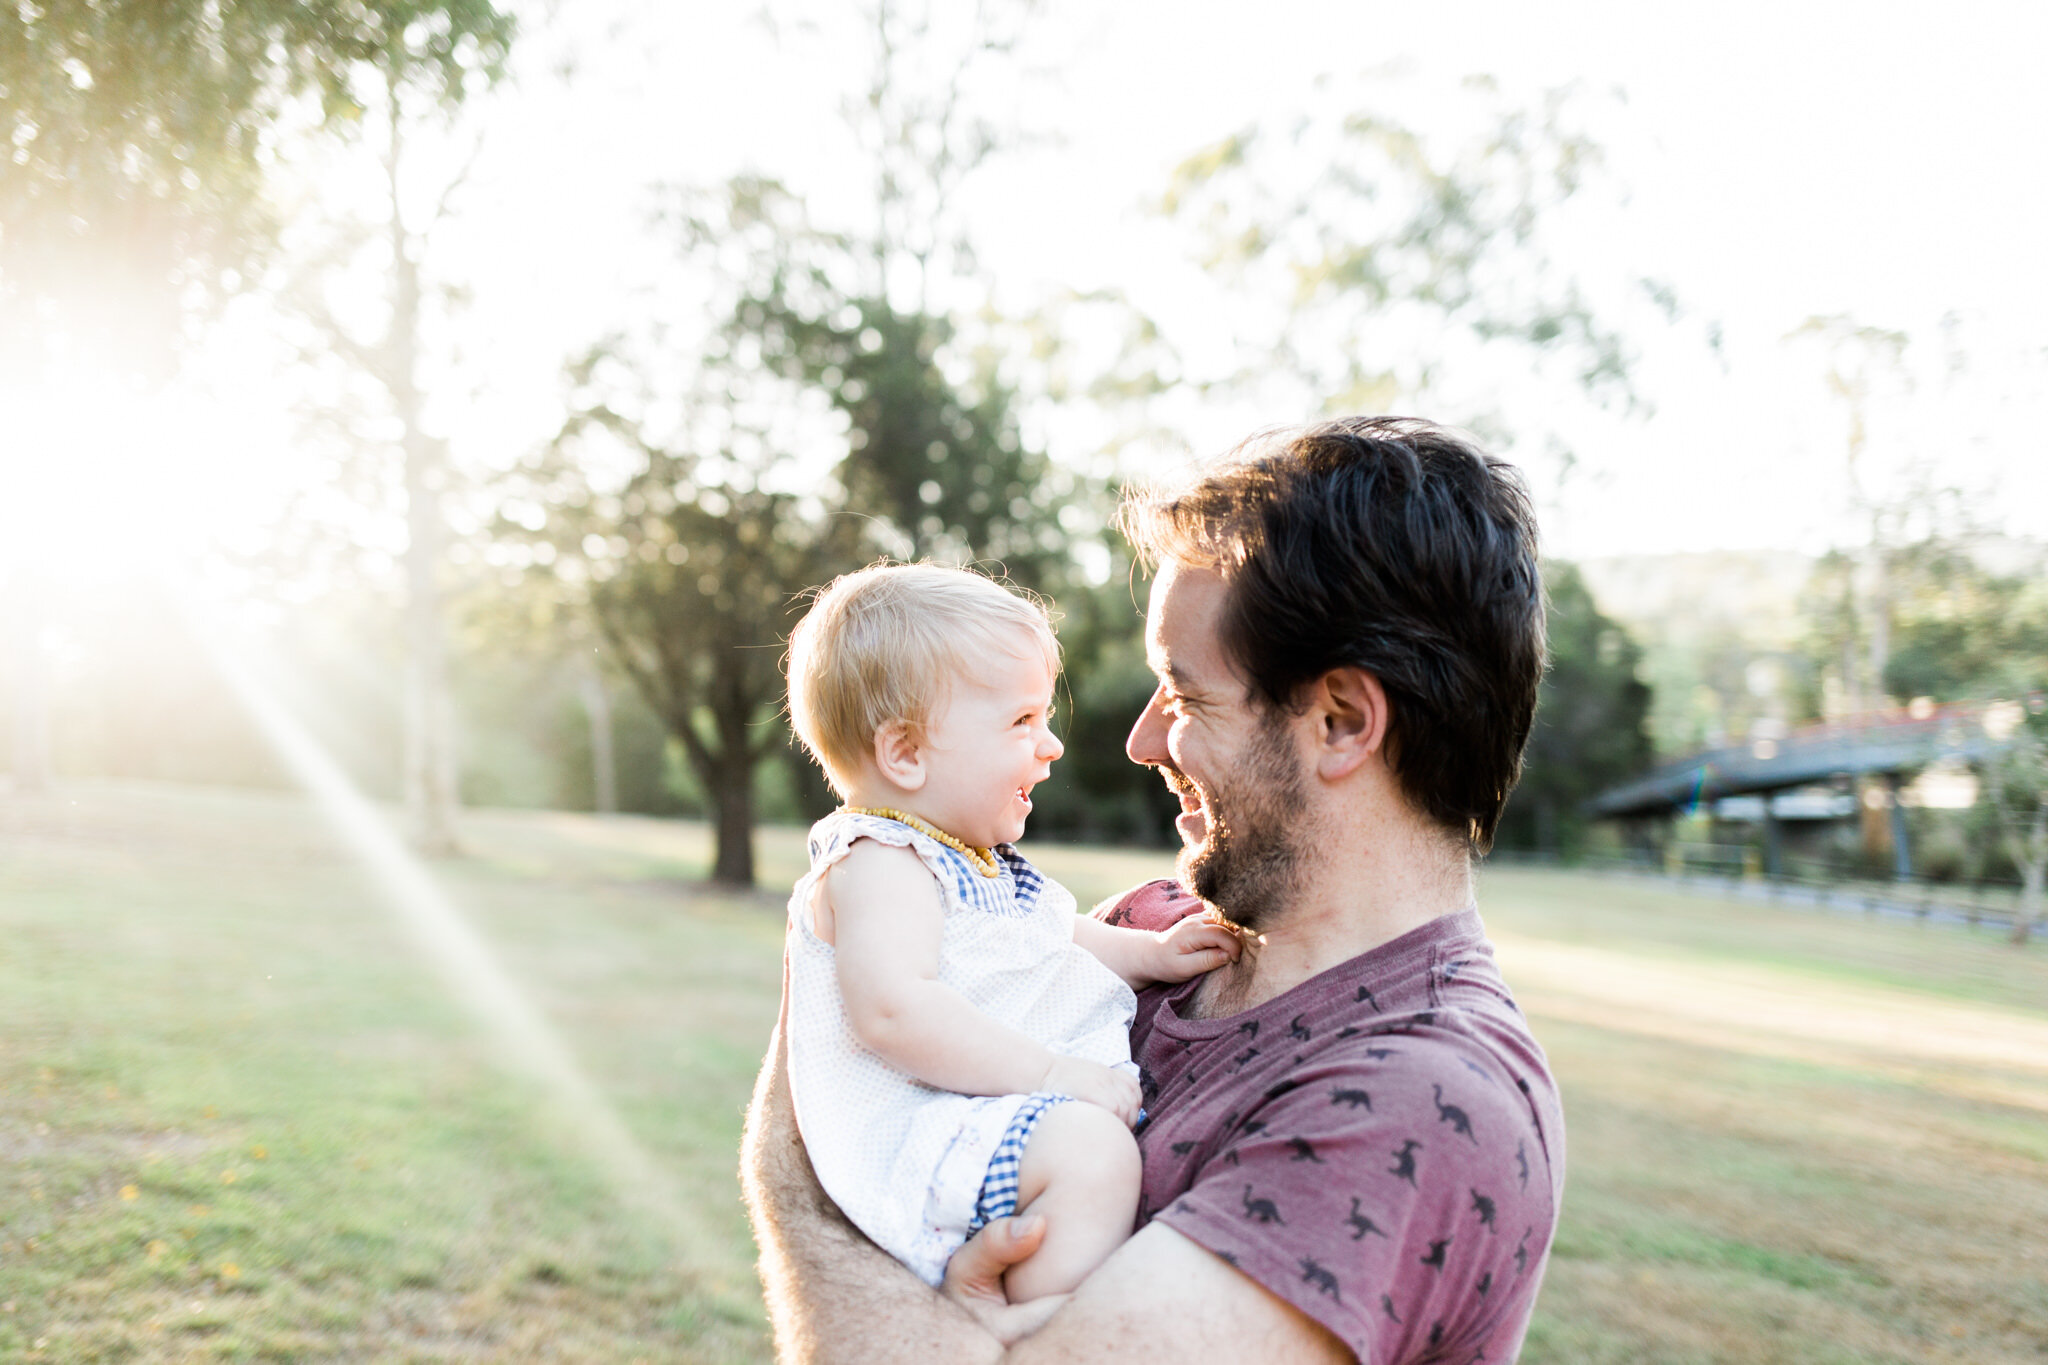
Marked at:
<point>989,746</point>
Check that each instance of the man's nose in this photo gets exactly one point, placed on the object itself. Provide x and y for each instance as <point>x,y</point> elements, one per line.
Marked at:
<point>1146,744</point>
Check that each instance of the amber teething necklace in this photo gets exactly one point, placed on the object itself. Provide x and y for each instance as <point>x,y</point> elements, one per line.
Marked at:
<point>984,859</point>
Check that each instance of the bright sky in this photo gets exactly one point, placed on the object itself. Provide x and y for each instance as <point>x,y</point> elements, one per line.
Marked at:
<point>1782,160</point>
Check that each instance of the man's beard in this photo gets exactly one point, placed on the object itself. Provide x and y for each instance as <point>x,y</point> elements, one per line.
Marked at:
<point>1248,864</point>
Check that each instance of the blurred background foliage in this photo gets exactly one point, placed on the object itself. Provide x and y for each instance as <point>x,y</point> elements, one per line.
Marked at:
<point>809,382</point>
<point>142,139</point>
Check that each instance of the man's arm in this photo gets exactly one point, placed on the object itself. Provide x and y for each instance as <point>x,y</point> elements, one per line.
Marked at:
<point>834,1296</point>
<point>1161,1294</point>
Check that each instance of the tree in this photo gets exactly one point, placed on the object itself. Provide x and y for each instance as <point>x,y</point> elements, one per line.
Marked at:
<point>684,519</point>
<point>131,195</point>
<point>820,431</point>
<point>416,76</point>
<point>1858,357</point>
<point>938,466</point>
<point>141,133</point>
<point>1591,720</point>
<point>1960,631</point>
<point>691,578</point>
<point>1095,793</point>
<point>835,413</point>
<point>1405,261</point>
<point>2017,779</point>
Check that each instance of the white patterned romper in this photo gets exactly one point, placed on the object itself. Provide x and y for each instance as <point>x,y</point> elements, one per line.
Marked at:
<point>903,1160</point>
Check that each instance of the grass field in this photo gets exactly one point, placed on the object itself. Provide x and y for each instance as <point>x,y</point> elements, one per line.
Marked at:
<point>240,1119</point>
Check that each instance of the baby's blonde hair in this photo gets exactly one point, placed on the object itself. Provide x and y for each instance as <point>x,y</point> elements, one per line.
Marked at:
<point>884,645</point>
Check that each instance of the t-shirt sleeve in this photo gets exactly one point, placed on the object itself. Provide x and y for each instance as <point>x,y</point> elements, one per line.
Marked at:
<point>1386,1201</point>
<point>1153,906</point>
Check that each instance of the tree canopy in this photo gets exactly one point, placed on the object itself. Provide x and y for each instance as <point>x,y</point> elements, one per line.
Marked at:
<point>822,429</point>
<point>1591,726</point>
<point>1401,257</point>
<point>141,133</point>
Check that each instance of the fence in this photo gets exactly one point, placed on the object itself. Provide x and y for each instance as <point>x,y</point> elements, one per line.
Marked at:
<point>1736,872</point>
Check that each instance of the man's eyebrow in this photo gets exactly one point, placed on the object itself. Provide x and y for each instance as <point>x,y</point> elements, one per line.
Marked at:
<point>1164,667</point>
<point>1181,682</point>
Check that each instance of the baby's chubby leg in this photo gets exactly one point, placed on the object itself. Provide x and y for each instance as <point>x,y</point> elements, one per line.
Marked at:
<point>1080,1169</point>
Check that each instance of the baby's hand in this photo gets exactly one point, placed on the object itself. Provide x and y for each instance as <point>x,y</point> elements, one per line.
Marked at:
<point>1199,943</point>
<point>1095,1083</point>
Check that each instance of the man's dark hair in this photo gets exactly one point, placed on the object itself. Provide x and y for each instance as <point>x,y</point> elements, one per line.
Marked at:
<point>1385,544</point>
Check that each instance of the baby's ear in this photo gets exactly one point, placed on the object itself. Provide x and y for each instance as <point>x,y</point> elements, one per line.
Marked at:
<point>899,755</point>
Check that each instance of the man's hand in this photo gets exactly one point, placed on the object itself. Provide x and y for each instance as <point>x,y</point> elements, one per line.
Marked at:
<point>1095,1083</point>
<point>974,1278</point>
<point>1199,943</point>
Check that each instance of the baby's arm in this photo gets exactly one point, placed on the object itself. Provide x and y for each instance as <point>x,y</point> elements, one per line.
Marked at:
<point>1195,945</point>
<point>887,923</point>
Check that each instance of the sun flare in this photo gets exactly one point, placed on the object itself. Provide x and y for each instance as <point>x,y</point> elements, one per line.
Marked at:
<point>108,483</point>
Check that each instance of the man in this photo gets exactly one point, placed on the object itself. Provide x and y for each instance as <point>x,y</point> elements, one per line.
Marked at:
<point>1355,1149</point>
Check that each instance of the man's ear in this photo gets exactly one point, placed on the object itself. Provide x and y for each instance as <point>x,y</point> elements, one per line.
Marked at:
<point>1351,714</point>
<point>899,756</point>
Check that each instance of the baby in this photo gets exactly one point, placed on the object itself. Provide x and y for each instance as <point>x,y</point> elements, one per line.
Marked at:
<point>945,1000</point>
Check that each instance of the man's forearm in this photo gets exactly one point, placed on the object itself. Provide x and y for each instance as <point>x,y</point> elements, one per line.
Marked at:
<point>833,1296</point>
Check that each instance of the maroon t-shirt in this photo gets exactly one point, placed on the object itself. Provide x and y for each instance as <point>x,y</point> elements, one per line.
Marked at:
<point>1382,1146</point>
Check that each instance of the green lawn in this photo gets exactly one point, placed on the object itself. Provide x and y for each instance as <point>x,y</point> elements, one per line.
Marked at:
<point>240,1118</point>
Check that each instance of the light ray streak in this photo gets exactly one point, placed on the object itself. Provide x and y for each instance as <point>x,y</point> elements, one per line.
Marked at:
<point>529,1043</point>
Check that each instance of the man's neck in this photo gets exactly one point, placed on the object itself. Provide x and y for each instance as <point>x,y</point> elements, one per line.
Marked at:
<point>1357,893</point>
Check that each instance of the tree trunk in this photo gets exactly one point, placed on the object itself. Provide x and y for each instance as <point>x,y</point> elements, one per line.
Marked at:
<point>597,706</point>
<point>2033,875</point>
<point>31,692</point>
<point>1880,622</point>
<point>430,772</point>
<point>430,790</point>
<point>733,797</point>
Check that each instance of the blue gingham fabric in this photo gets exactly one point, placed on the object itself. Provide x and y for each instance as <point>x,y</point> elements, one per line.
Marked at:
<point>1028,880</point>
<point>999,1190</point>
<point>1013,893</point>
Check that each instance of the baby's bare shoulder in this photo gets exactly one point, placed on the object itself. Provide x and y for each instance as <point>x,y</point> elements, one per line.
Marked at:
<point>871,866</point>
